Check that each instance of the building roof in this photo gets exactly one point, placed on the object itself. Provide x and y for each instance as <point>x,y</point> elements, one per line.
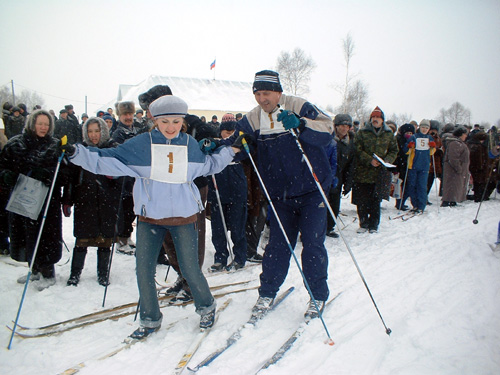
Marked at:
<point>200,94</point>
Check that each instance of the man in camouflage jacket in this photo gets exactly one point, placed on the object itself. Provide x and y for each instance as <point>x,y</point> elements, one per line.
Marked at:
<point>374,138</point>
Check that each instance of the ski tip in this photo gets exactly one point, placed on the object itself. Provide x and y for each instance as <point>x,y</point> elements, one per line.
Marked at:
<point>329,342</point>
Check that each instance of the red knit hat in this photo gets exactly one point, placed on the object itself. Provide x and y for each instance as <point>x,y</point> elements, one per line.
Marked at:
<point>377,112</point>
<point>228,117</point>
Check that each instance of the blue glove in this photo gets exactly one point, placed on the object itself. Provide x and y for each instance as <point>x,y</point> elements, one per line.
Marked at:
<point>207,145</point>
<point>289,119</point>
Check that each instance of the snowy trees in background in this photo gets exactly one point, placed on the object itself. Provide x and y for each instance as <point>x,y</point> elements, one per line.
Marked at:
<point>401,119</point>
<point>354,92</point>
<point>30,98</point>
<point>456,114</point>
<point>295,71</point>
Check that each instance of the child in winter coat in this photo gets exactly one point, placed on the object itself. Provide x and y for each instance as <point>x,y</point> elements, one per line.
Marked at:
<point>164,163</point>
<point>232,189</point>
<point>420,148</point>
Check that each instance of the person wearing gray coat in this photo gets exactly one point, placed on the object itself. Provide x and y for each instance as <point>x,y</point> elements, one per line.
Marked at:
<point>455,169</point>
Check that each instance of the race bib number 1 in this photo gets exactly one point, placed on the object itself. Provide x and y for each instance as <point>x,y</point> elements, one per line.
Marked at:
<point>169,163</point>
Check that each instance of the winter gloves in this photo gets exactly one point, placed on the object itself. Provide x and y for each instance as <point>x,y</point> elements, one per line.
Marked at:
<point>289,119</point>
<point>66,210</point>
<point>208,145</point>
<point>238,143</point>
<point>42,174</point>
<point>9,178</point>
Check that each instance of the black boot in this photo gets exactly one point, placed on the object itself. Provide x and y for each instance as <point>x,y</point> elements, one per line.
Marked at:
<point>103,254</point>
<point>77,263</point>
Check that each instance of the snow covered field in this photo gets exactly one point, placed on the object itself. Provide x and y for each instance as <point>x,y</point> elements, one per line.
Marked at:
<point>434,278</point>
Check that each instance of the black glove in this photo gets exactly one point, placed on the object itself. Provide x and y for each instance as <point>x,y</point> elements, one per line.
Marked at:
<point>9,178</point>
<point>67,148</point>
<point>42,174</point>
<point>250,140</point>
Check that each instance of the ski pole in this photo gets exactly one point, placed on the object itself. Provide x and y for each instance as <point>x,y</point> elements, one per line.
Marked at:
<point>222,218</point>
<point>435,181</point>
<point>475,221</point>
<point>115,236</point>
<point>64,140</point>
<point>320,188</point>
<point>247,149</point>
<point>404,187</point>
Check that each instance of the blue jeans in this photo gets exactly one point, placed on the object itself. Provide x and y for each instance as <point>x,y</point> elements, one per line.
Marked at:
<point>149,242</point>
<point>306,214</point>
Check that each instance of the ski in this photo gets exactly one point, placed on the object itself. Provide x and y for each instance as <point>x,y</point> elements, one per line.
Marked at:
<point>225,270</point>
<point>190,352</point>
<point>280,353</point>
<point>351,222</point>
<point>237,334</point>
<point>403,216</point>
<point>125,344</point>
<point>64,327</point>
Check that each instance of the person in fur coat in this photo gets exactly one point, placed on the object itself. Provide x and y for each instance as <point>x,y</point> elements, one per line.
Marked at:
<point>96,199</point>
<point>35,153</point>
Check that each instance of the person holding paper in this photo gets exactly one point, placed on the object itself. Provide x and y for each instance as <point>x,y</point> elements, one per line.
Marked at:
<point>35,153</point>
<point>375,138</point>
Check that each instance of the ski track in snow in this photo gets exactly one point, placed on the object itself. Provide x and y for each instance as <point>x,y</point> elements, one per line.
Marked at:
<point>434,279</point>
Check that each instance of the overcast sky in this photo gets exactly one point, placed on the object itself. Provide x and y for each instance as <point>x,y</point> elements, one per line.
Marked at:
<point>415,56</point>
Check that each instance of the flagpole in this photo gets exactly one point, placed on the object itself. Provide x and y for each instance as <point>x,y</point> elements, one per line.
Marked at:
<point>214,64</point>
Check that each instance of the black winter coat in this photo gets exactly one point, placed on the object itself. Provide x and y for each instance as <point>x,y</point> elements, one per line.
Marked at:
<point>36,157</point>
<point>69,128</point>
<point>346,153</point>
<point>96,199</point>
<point>14,126</point>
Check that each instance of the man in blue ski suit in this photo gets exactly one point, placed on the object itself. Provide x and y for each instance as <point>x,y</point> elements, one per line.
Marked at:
<point>290,184</point>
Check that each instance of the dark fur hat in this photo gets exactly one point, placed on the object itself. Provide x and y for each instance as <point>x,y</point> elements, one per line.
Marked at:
<point>124,107</point>
<point>145,99</point>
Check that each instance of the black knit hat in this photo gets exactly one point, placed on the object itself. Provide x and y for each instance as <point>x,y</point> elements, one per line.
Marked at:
<point>228,125</point>
<point>343,119</point>
<point>267,80</point>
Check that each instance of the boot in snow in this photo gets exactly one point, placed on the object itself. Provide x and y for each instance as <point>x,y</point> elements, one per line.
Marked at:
<point>103,254</point>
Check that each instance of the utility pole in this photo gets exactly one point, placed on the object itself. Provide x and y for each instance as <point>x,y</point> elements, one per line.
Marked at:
<point>13,95</point>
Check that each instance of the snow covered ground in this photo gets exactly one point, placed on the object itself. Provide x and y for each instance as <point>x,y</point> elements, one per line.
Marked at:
<point>434,278</point>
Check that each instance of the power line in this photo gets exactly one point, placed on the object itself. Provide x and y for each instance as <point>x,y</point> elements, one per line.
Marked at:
<point>53,96</point>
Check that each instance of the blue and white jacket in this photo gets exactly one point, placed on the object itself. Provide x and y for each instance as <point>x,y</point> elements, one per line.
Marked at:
<point>281,165</point>
<point>152,198</point>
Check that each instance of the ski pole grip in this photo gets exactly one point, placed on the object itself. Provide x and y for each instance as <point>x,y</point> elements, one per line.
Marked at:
<point>64,140</point>
<point>244,143</point>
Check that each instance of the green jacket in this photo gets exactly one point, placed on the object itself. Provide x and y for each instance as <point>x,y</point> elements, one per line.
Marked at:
<point>368,142</point>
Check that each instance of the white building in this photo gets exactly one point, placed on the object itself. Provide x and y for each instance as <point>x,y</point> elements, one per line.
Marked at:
<point>205,97</point>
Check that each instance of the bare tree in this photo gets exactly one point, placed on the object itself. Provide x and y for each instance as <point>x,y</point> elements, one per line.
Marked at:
<point>401,119</point>
<point>295,71</point>
<point>354,94</point>
<point>30,98</point>
<point>456,114</point>
<point>348,50</point>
